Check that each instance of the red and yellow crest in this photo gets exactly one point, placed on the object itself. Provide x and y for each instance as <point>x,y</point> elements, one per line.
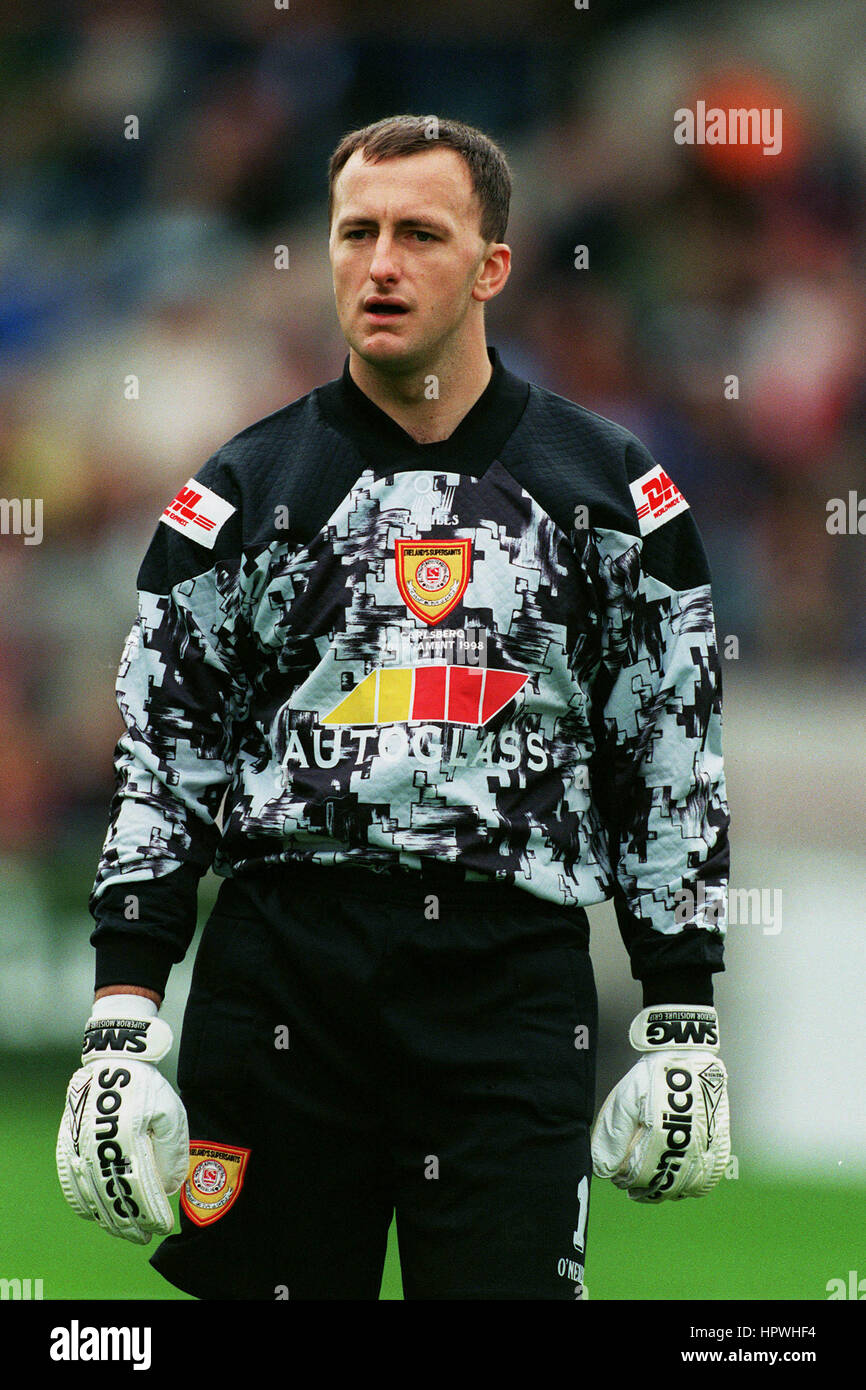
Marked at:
<point>432,576</point>
<point>213,1182</point>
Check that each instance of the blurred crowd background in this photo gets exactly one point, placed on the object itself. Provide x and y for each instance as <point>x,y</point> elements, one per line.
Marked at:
<point>154,257</point>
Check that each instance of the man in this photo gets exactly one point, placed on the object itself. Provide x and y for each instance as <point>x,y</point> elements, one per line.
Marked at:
<point>424,664</point>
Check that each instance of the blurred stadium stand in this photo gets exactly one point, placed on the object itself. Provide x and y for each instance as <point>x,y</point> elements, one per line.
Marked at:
<point>155,257</point>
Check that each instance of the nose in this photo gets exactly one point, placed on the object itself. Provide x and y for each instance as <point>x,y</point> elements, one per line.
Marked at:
<point>383,267</point>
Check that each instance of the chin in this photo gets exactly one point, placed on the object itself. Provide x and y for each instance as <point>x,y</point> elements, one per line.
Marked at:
<point>389,353</point>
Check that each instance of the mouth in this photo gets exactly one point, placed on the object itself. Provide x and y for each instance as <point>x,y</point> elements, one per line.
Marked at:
<point>383,309</point>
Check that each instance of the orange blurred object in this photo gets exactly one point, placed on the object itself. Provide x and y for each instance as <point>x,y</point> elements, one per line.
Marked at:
<point>744,161</point>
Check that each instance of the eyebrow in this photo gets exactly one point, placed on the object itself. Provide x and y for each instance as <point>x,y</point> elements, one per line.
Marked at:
<point>420,220</point>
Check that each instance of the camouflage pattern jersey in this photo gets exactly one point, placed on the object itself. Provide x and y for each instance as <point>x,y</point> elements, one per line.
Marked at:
<point>495,654</point>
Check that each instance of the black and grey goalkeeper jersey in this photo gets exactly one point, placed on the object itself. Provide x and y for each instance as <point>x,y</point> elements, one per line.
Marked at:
<point>495,653</point>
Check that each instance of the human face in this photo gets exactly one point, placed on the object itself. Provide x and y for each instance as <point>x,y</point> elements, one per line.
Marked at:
<point>406,233</point>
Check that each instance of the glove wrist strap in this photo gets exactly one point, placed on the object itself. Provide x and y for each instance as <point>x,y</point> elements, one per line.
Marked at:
<point>675,1027</point>
<point>124,1006</point>
<point>134,1039</point>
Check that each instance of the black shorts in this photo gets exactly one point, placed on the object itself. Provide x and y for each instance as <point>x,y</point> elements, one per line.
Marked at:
<point>355,1047</point>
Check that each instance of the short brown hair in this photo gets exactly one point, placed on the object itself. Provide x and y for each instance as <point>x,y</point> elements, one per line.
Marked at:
<point>402,135</point>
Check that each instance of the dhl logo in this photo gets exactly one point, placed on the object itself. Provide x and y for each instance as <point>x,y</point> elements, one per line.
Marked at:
<point>661,492</point>
<point>182,509</point>
<point>428,694</point>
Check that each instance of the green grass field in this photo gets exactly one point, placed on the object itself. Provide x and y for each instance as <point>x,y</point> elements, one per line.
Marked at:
<point>756,1237</point>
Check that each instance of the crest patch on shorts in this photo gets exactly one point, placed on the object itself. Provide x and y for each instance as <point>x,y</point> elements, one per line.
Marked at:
<point>214,1180</point>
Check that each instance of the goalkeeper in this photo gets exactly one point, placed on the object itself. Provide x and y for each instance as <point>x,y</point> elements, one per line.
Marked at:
<point>425,664</point>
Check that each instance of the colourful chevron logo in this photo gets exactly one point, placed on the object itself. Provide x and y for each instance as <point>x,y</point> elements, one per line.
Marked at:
<point>428,694</point>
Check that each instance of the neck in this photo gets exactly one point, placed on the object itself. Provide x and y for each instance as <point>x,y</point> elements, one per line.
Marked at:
<point>428,402</point>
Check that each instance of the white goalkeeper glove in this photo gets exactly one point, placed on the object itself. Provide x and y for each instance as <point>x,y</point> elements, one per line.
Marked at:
<point>664,1130</point>
<point>123,1145</point>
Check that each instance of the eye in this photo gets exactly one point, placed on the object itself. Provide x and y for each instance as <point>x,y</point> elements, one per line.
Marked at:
<point>426,236</point>
<point>355,232</point>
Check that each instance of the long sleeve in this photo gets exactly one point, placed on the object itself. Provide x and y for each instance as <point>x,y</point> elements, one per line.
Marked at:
<point>180,691</point>
<point>659,772</point>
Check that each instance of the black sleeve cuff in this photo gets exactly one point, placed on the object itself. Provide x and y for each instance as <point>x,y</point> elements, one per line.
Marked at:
<point>141,951</point>
<point>126,959</point>
<point>689,984</point>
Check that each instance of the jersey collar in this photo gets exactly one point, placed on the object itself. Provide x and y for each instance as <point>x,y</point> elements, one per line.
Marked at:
<point>387,447</point>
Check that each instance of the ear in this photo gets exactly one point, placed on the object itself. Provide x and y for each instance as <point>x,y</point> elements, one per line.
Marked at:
<point>493,271</point>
